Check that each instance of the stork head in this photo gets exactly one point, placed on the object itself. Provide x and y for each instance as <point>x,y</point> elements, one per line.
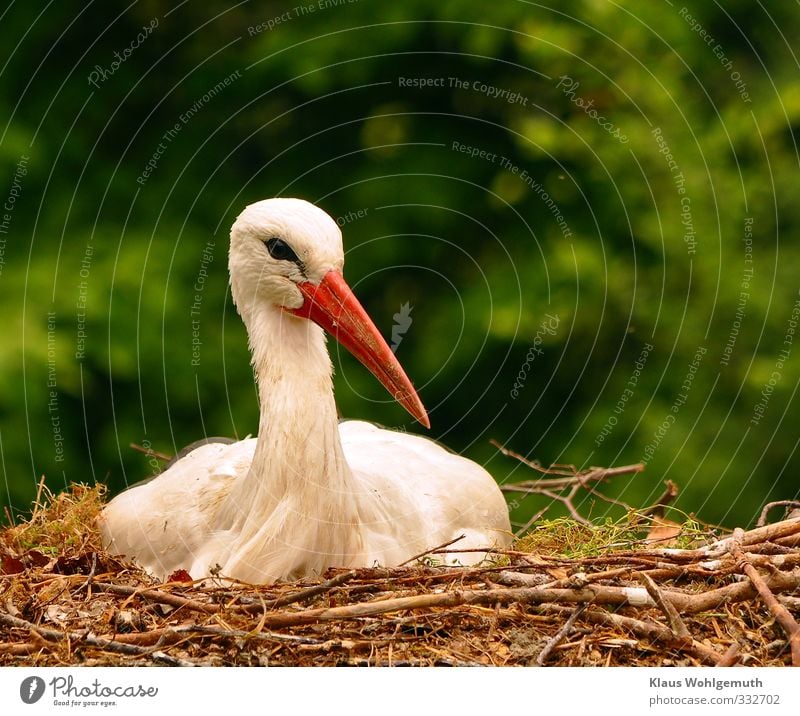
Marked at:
<point>288,253</point>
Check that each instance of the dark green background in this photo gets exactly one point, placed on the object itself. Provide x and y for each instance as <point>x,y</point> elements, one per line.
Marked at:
<point>314,108</point>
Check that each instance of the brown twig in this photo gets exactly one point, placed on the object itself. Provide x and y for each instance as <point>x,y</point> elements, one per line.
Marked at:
<point>150,452</point>
<point>155,595</point>
<point>54,635</point>
<point>560,634</point>
<point>675,622</point>
<point>641,629</point>
<point>310,592</point>
<point>429,551</point>
<point>666,498</point>
<point>731,657</point>
<point>600,594</point>
<point>762,519</point>
<point>781,613</point>
<point>88,583</point>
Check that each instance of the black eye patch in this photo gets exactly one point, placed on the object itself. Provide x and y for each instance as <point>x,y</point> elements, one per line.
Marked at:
<point>281,251</point>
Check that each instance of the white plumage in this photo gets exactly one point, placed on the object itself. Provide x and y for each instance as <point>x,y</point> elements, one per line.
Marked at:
<point>308,493</point>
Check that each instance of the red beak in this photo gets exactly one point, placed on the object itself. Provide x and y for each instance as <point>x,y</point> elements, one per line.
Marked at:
<point>332,305</point>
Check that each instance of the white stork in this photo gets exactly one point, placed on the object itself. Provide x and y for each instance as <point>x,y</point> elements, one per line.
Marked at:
<point>309,492</point>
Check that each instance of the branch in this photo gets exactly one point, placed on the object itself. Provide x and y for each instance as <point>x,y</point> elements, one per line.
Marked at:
<point>675,622</point>
<point>762,520</point>
<point>781,613</point>
<point>156,595</point>
<point>560,635</point>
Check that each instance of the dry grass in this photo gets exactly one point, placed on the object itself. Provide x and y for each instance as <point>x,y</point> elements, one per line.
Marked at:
<point>568,594</point>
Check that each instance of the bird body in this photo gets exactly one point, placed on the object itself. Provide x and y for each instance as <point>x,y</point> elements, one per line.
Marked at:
<point>308,493</point>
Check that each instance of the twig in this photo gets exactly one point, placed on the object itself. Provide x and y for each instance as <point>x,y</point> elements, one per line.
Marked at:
<point>536,517</point>
<point>171,660</point>
<point>150,452</point>
<point>567,502</point>
<point>309,592</point>
<point>155,595</point>
<point>600,594</point>
<point>656,632</point>
<point>666,498</point>
<point>173,634</point>
<point>675,622</point>
<point>88,583</point>
<point>55,635</point>
<point>38,502</point>
<point>597,474</point>
<point>432,549</point>
<point>775,531</point>
<point>762,520</point>
<point>781,614</point>
<point>23,649</point>
<point>731,656</point>
<point>561,634</point>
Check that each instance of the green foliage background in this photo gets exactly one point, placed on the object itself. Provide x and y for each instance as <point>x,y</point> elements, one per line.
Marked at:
<point>315,107</point>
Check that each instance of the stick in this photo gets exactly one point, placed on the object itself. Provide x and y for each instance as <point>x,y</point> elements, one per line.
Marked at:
<point>156,595</point>
<point>150,452</point>
<point>308,593</point>
<point>655,632</point>
<point>781,613</point>
<point>561,634</point>
<point>675,622</point>
<point>731,656</point>
<point>690,604</point>
<point>174,634</point>
<point>432,549</point>
<point>24,649</point>
<point>81,638</point>
<point>666,498</point>
<point>762,520</point>
<point>88,583</point>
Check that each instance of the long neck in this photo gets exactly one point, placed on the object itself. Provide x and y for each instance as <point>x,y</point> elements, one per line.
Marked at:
<point>298,487</point>
<point>298,448</point>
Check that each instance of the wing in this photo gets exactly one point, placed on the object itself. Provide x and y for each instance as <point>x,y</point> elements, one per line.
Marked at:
<point>417,495</point>
<point>163,522</point>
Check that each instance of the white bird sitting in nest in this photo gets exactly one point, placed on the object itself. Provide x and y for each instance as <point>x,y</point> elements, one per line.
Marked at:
<point>309,492</point>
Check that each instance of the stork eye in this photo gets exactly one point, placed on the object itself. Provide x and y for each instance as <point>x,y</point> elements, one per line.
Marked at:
<point>280,250</point>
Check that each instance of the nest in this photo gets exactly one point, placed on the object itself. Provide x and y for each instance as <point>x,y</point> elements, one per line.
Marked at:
<point>569,594</point>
